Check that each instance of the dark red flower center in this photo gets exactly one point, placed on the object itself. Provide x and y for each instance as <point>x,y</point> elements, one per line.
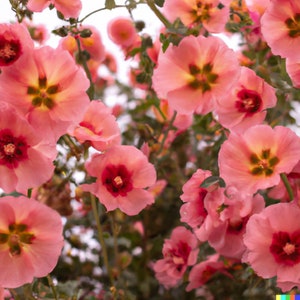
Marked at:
<point>117,180</point>
<point>10,49</point>
<point>180,254</point>
<point>293,25</point>
<point>12,149</point>
<point>249,102</point>
<point>16,236</point>
<point>285,247</point>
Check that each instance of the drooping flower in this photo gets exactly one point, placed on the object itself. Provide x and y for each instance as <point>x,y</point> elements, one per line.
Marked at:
<point>196,72</point>
<point>70,9</point>
<point>272,239</point>
<point>254,160</point>
<point>14,40</point>
<point>48,88</point>
<point>180,251</point>
<point>227,216</point>
<point>247,102</point>
<point>123,172</point>
<point>212,14</point>
<point>280,26</point>
<point>26,157</point>
<point>204,271</point>
<point>98,126</point>
<point>30,240</point>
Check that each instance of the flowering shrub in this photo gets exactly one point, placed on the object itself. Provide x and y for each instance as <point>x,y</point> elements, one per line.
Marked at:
<point>177,181</point>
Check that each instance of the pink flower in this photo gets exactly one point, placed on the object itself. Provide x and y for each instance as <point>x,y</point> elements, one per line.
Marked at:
<point>48,88</point>
<point>204,271</point>
<point>257,6</point>
<point>70,9</point>
<point>254,160</point>
<point>272,239</point>
<point>247,102</point>
<point>280,27</point>
<point>293,70</point>
<point>211,14</point>
<point>123,173</point>
<point>227,236</point>
<point>180,251</point>
<point>26,157</point>
<point>122,32</point>
<point>14,41</point>
<point>99,127</point>
<point>30,240</point>
<point>196,72</point>
<point>193,211</point>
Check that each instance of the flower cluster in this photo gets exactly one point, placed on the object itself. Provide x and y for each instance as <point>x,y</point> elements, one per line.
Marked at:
<point>180,180</point>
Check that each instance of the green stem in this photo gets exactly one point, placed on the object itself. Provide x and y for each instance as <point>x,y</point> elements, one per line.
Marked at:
<point>97,10</point>
<point>101,239</point>
<point>287,185</point>
<point>115,237</point>
<point>50,281</point>
<point>166,133</point>
<point>91,89</point>
<point>158,14</point>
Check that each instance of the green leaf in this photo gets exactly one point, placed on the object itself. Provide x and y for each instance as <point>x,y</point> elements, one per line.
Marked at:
<point>212,180</point>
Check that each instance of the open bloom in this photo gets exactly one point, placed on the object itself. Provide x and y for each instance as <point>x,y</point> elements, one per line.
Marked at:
<point>212,14</point>
<point>254,160</point>
<point>180,251</point>
<point>14,40</point>
<point>70,9</point>
<point>123,173</point>
<point>196,72</point>
<point>30,240</point>
<point>46,86</point>
<point>26,157</point>
<point>280,26</point>
<point>272,239</point>
<point>98,127</point>
<point>247,102</point>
